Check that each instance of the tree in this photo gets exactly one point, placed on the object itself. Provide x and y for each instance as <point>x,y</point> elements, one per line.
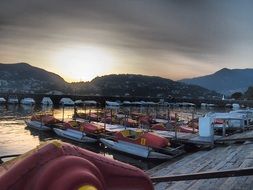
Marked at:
<point>236,95</point>
<point>249,93</point>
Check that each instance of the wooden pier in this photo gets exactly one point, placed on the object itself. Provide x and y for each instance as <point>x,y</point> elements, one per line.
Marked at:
<point>237,137</point>
<point>234,156</point>
<point>187,138</point>
<point>195,139</point>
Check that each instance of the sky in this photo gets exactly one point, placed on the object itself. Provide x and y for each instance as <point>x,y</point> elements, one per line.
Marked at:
<point>82,39</point>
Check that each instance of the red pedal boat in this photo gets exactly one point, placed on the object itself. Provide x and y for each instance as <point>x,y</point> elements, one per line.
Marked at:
<point>63,166</point>
<point>139,143</point>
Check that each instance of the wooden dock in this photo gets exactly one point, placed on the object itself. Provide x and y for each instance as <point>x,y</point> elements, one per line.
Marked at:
<point>188,138</point>
<point>234,156</point>
<point>243,136</point>
<point>192,139</point>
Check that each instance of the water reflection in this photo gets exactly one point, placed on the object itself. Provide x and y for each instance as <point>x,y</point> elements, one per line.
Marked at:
<point>46,108</point>
<point>42,136</point>
<point>14,138</point>
<point>27,109</point>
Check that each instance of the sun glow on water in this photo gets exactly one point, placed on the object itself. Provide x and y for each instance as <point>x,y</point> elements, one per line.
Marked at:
<point>84,63</point>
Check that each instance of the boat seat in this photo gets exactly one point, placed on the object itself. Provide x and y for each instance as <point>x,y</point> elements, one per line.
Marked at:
<point>131,136</point>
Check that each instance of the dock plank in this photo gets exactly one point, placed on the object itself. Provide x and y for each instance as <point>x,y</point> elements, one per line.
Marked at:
<point>215,163</point>
<point>220,158</point>
<point>247,135</point>
<point>187,137</point>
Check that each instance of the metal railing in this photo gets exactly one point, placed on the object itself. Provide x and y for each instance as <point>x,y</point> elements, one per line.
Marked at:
<point>205,175</point>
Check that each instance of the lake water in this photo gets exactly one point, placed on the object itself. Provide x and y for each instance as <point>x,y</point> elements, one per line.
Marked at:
<point>17,138</point>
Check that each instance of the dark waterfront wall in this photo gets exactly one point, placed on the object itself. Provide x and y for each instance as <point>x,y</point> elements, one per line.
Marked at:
<point>101,99</point>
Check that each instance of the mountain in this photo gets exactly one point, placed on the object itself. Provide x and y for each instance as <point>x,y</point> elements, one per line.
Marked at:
<point>225,81</point>
<point>140,85</point>
<point>22,77</point>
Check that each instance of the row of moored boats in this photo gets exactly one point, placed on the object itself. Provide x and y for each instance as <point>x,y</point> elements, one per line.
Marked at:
<point>45,101</point>
<point>132,140</point>
<point>25,101</point>
<point>138,134</point>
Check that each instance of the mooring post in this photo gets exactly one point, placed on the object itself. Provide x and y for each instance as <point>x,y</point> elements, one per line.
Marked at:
<point>104,119</point>
<point>89,115</point>
<point>212,134</point>
<point>63,113</point>
<point>52,111</point>
<point>111,116</point>
<point>97,112</point>
<point>168,112</point>
<point>242,124</point>
<point>125,119</point>
<point>224,129</point>
<point>176,123</point>
<point>156,110</point>
<point>40,120</point>
<point>193,122</point>
<point>75,113</point>
<point>85,111</point>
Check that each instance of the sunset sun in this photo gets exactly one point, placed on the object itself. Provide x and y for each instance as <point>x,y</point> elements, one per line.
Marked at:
<point>84,63</point>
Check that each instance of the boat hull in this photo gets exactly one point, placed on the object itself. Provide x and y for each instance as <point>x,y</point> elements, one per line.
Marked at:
<point>134,149</point>
<point>74,135</point>
<point>27,101</point>
<point>37,125</point>
<point>13,101</point>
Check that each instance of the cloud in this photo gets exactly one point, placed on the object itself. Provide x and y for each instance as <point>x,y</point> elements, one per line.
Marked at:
<point>196,29</point>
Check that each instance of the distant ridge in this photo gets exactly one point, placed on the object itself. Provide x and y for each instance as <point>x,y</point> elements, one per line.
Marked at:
<point>141,85</point>
<point>225,81</point>
<point>24,78</point>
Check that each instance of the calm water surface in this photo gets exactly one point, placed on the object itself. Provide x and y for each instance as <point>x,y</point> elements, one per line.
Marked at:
<point>17,138</point>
